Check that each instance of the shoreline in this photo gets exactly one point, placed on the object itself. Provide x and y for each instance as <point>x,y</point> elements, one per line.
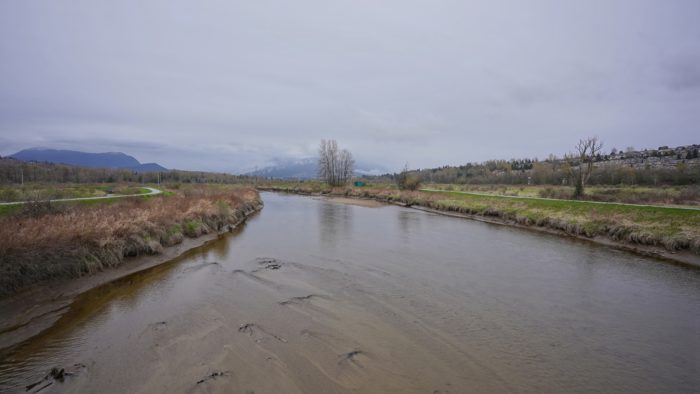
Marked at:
<point>32,311</point>
<point>682,258</point>
<point>28,313</point>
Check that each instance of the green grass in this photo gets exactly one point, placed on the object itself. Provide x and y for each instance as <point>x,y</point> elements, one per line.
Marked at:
<point>663,224</point>
<point>576,205</point>
<point>26,192</point>
<point>662,195</point>
<point>40,191</point>
<point>192,228</point>
<point>12,209</point>
<point>8,209</point>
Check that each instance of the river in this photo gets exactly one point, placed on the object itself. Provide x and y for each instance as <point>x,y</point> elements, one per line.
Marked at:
<point>320,296</point>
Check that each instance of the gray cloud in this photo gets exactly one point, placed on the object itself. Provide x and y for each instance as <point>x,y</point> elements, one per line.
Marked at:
<point>684,72</point>
<point>232,85</point>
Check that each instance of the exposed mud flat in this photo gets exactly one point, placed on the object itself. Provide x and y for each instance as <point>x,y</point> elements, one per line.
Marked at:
<point>34,310</point>
<point>321,297</point>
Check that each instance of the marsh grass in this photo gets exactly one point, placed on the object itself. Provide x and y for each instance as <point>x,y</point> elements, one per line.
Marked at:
<point>61,241</point>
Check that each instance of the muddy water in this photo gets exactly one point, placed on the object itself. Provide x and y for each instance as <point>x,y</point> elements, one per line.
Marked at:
<point>319,296</point>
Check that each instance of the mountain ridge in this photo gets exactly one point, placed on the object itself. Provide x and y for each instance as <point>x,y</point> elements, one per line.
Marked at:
<point>86,159</point>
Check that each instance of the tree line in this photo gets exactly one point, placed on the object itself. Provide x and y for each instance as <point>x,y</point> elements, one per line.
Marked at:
<point>14,171</point>
<point>586,165</point>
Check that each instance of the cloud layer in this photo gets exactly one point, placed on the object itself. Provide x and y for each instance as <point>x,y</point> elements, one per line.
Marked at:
<point>228,86</point>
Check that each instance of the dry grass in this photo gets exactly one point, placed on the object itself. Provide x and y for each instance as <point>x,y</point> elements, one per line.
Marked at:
<point>39,244</point>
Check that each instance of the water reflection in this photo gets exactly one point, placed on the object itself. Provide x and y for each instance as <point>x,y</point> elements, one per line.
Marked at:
<point>335,223</point>
<point>409,222</point>
<point>98,305</point>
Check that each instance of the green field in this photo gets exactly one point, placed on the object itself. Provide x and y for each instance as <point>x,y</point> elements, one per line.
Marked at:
<point>670,227</point>
<point>662,195</point>
<point>40,192</point>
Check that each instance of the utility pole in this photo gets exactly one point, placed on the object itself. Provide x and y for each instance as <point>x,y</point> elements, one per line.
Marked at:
<point>21,174</point>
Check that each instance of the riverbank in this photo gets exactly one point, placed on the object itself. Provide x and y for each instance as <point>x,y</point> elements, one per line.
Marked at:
<point>37,307</point>
<point>58,243</point>
<point>672,234</point>
<point>32,311</point>
<point>367,300</point>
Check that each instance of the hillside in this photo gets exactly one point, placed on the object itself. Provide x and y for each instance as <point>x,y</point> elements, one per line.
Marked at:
<point>14,171</point>
<point>85,159</point>
<point>673,166</point>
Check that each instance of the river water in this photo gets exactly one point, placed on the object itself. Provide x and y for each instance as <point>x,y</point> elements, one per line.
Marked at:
<point>315,295</point>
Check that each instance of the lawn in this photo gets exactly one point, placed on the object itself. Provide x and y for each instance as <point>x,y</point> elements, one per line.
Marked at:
<point>673,227</point>
<point>45,191</point>
<point>662,195</point>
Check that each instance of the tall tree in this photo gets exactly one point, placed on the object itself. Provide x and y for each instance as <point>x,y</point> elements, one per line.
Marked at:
<point>334,167</point>
<point>581,162</point>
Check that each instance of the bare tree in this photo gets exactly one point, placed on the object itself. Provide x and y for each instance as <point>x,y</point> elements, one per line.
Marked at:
<point>581,162</point>
<point>334,167</point>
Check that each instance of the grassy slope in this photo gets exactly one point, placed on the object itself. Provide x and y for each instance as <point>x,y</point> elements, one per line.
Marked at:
<point>662,195</point>
<point>675,228</point>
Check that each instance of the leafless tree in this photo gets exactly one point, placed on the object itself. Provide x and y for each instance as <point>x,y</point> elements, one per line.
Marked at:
<point>334,167</point>
<point>581,162</point>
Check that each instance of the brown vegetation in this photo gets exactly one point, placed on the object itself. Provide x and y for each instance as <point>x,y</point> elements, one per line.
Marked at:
<point>44,241</point>
<point>406,181</point>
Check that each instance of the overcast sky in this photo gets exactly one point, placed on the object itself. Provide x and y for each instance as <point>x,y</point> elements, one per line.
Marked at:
<point>230,85</point>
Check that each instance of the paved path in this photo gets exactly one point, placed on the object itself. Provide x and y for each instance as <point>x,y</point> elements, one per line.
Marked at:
<point>560,199</point>
<point>151,192</point>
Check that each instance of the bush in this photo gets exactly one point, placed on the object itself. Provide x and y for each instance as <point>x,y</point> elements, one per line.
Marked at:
<point>555,192</point>
<point>9,195</point>
<point>412,183</point>
<point>406,181</point>
<point>689,195</point>
<point>193,228</point>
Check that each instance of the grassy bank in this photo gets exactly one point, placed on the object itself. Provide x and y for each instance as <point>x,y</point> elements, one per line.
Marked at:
<point>662,195</point>
<point>41,191</point>
<point>673,229</point>
<point>71,240</point>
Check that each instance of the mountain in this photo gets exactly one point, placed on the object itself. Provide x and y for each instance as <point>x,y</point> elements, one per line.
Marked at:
<point>149,167</point>
<point>307,169</point>
<point>84,159</point>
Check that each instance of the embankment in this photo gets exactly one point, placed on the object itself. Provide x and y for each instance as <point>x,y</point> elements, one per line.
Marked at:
<point>70,242</point>
<point>672,234</point>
